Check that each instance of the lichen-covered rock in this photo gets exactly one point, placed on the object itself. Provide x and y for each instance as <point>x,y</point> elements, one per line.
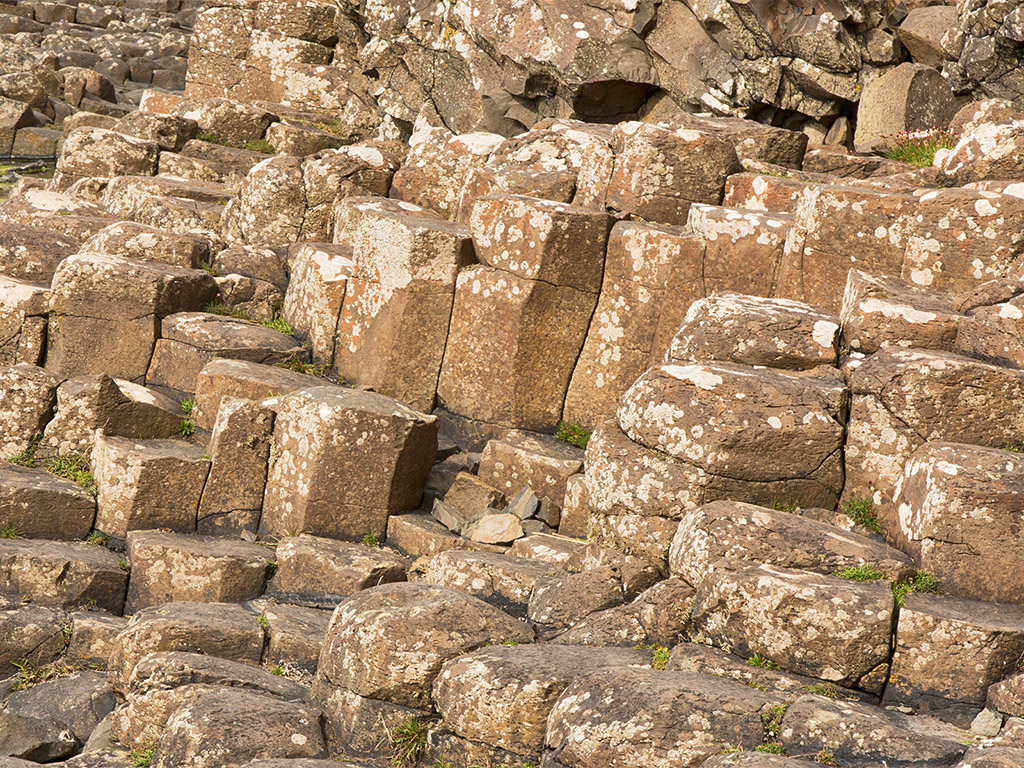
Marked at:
<point>635,294</point>
<point>541,239</point>
<point>239,451</point>
<point>38,504</point>
<point>985,150</point>
<point>121,408</point>
<point>389,642</point>
<point>861,732</point>
<point>138,241</point>
<point>98,152</point>
<point>956,507</point>
<point>659,172</point>
<point>505,581</point>
<point>32,632</point>
<point>962,237</point>
<point>28,394</point>
<point>521,459</point>
<point>559,601</point>
<point>659,615</point>
<point>62,573</point>
<point>245,380</point>
<point>757,427</point>
<point>294,634</point>
<point>885,312</point>
<point>168,567</point>
<point>323,572</point>
<point>394,323</point>
<point>597,718</point>
<point>316,293</point>
<point>33,253</point>
<point>734,530</point>
<point>216,629</point>
<point>229,728</point>
<point>994,333</point>
<point>190,340</point>
<point>902,398</point>
<point>775,333</point>
<point>834,629</point>
<point>949,651</point>
<point>345,460</point>
<point>105,310</point>
<point>840,228</point>
<point>512,347</point>
<point>502,695</point>
<point>147,484</point>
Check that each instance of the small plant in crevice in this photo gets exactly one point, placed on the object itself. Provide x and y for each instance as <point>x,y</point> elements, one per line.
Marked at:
<point>784,506</point>
<point>142,757</point>
<point>73,467</point>
<point>124,565</point>
<point>31,673</point>
<point>862,512</point>
<point>226,310</point>
<point>9,532</point>
<point>263,621</point>
<point>659,655</point>
<point>922,581</point>
<point>728,749</point>
<point>771,719</point>
<point>826,757</point>
<point>27,458</point>
<point>371,540</point>
<point>573,434</point>
<point>186,428</point>
<point>407,741</point>
<point>918,148</point>
<point>260,145</point>
<point>277,323</point>
<point>860,572</point>
<point>299,365</point>
<point>271,567</point>
<point>187,405</point>
<point>100,539</point>
<point>757,660</point>
<point>278,670</point>
<point>771,747</point>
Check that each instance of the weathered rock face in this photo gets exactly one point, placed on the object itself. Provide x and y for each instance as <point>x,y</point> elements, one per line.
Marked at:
<point>902,398</point>
<point>949,651</point>
<point>957,514</point>
<point>345,460</point>
<point>424,625</point>
<point>590,722</point>
<point>733,530</point>
<point>791,424</point>
<point>911,97</point>
<point>840,633</point>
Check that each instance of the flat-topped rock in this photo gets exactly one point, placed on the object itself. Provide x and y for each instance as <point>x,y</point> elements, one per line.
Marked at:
<point>40,505</point>
<point>27,396</point>
<point>105,309</point>
<point>502,695</point>
<point>840,633</point>
<point>216,629</point>
<point>121,408</point>
<point>147,484</point>
<point>32,632</point>
<point>168,567</point>
<point>728,529</point>
<point>67,574</point>
<point>322,572</point>
<point>190,340</point>
<point>243,379</point>
<point>138,241</point>
<point>426,626</point>
<point>32,253</point>
<point>347,459</point>
<point>504,581</point>
<point>776,333</point>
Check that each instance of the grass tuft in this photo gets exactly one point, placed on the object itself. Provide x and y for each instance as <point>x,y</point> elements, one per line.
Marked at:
<point>408,741</point>
<point>921,582</point>
<point>9,532</point>
<point>27,458</point>
<point>278,324</point>
<point>262,146</point>
<point>73,467</point>
<point>862,572</point>
<point>186,428</point>
<point>757,660</point>
<point>918,148</point>
<point>142,757</point>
